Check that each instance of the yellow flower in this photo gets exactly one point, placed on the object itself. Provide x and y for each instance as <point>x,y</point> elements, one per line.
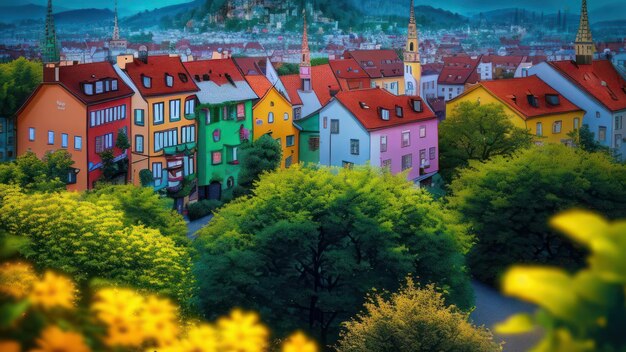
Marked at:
<point>54,339</point>
<point>298,342</point>
<point>119,309</point>
<point>53,291</point>
<point>201,338</point>
<point>10,346</point>
<point>16,279</point>
<point>242,332</point>
<point>158,320</point>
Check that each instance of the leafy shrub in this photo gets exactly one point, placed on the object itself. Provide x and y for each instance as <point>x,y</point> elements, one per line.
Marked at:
<point>202,208</point>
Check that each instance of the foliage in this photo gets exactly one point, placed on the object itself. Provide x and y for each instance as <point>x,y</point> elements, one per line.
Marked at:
<point>585,140</point>
<point>475,131</point>
<point>89,240</point>
<point>287,69</point>
<point>319,61</point>
<point>202,208</point>
<point>258,157</point>
<point>145,177</point>
<point>141,206</point>
<point>413,319</point>
<point>583,311</point>
<point>33,174</point>
<point>18,79</point>
<point>109,169</point>
<point>121,141</point>
<point>47,315</point>
<point>507,202</point>
<point>307,246</point>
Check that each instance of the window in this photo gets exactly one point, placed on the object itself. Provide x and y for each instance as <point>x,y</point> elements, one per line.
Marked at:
<point>241,112</point>
<point>314,143</point>
<point>88,88</point>
<point>157,112</point>
<point>71,176</point>
<point>104,142</point>
<point>618,122</point>
<point>50,137</point>
<point>383,143</point>
<point>64,140</point>
<point>78,142</point>
<point>325,121</point>
<point>386,164</point>
<point>597,114</point>
<point>174,110</point>
<point>354,146</point>
<point>157,173</point>
<point>146,81</point>
<point>407,161</point>
<point>556,127</point>
<point>188,134</point>
<point>183,77</point>
<point>576,123</point>
<point>432,153</point>
<point>31,134</point>
<point>618,141</point>
<point>422,131</point>
<point>334,126</point>
<point>164,139</point>
<point>216,157</point>
<point>288,161</point>
<point>602,133</point>
<point>423,160</point>
<point>384,114</point>
<point>139,117</point>
<point>114,84</point>
<point>285,116</point>
<point>139,143</point>
<point>270,117</point>
<point>347,164</point>
<point>169,80</point>
<point>190,106</point>
<point>297,113</point>
<point>399,111</point>
<point>539,129</point>
<point>188,165</point>
<point>99,87</point>
<point>406,139</point>
<point>232,155</point>
<point>290,140</point>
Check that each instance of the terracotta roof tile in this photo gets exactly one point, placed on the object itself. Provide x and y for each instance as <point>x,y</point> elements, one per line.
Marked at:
<point>347,69</point>
<point>323,81</point>
<point>218,71</point>
<point>259,84</point>
<point>292,84</point>
<point>378,63</point>
<point>156,68</point>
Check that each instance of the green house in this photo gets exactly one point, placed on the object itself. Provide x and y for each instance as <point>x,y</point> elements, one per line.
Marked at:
<point>309,127</point>
<point>224,123</point>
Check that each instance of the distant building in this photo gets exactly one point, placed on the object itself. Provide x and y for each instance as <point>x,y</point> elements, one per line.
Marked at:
<point>457,73</point>
<point>384,68</point>
<point>349,74</point>
<point>411,56</point>
<point>116,46</point>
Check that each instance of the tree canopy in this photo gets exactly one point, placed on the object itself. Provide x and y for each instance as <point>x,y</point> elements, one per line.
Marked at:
<point>309,243</point>
<point>34,174</point>
<point>477,131</point>
<point>508,201</point>
<point>258,157</point>
<point>411,320</point>
<point>18,79</point>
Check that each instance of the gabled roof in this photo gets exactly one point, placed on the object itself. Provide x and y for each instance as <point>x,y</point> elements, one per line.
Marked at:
<point>515,93</point>
<point>347,69</point>
<point>378,63</point>
<point>292,84</point>
<point>72,77</point>
<point>323,83</point>
<point>599,79</point>
<point>459,70</point>
<point>365,105</point>
<point>220,71</point>
<point>156,68</point>
<point>259,84</point>
<point>251,65</point>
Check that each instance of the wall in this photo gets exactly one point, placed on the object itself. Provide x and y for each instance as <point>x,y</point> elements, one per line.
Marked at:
<point>444,90</point>
<point>309,128</point>
<point>429,86</point>
<point>386,82</point>
<point>335,148</point>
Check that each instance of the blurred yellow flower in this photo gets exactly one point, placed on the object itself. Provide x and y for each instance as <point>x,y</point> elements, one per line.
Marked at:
<point>54,339</point>
<point>119,309</point>
<point>242,332</point>
<point>159,320</point>
<point>16,279</point>
<point>53,291</point>
<point>10,346</point>
<point>201,338</point>
<point>298,342</point>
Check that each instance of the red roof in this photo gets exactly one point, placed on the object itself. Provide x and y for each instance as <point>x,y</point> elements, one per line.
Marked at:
<point>347,69</point>
<point>377,98</point>
<point>259,84</point>
<point>156,68</point>
<point>599,79</point>
<point>73,77</point>
<point>251,65</point>
<point>218,70</point>
<point>292,84</point>
<point>459,70</point>
<point>515,93</point>
<point>323,82</point>
<point>509,61</point>
<point>378,63</point>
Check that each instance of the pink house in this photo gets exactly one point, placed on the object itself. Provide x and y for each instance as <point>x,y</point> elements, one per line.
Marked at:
<point>375,126</point>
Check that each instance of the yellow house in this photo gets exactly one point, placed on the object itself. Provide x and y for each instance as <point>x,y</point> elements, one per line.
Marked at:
<point>531,104</point>
<point>273,115</point>
<point>384,68</point>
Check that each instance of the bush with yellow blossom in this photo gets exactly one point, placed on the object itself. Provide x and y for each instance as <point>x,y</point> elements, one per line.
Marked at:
<point>47,314</point>
<point>584,311</point>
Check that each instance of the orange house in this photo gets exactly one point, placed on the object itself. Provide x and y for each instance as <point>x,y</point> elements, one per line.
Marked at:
<point>79,108</point>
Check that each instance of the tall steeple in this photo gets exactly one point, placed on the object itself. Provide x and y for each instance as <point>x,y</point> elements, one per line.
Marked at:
<point>49,47</point>
<point>411,56</point>
<point>584,42</point>
<point>116,29</point>
<point>305,60</point>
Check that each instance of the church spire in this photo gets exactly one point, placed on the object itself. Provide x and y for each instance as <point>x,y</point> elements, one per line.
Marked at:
<point>116,29</point>
<point>50,49</point>
<point>411,52</point>
<point>305,61</point>
<point>584,41</point>
<point>412,65</point>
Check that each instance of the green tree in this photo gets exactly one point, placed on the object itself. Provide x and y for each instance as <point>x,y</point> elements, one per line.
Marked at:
<point>258,157</point>
<point>475,131</point>
<point>121,141</point>
<point>579,312</point>
<point>109,168</point>
<point>413,319</point>
<point>308,245</point>
<point>18,79</point>
<point>585,140</point>
<point>33,174</point>
<point>507,202</point>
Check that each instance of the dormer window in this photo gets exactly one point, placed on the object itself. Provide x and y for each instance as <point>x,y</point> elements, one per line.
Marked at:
<point>197,78</point>
<point>88,88</point>
<point>532,100</point>
<point>399,111</point>
<point>183,77</point>
<point>146,81</point>
<point>169,80</point>
<point>416,105</point>
<point>363,105</point>
<point>99,87</point>
<point>384,114</point>
<point>205,77</point>
<point>107,85</point>
<point>552,99</point>
<point>114,84</point>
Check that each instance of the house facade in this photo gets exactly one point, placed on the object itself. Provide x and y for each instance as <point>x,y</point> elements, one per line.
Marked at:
<point>384,68</point>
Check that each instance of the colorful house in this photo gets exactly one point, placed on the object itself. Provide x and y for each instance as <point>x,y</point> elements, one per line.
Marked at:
<point>164,129</point>
<point>224,123</point>
<point>349,74</point>
<point>458,73</point>
<point>273,115</point>
<point>384,68</point>
<point>374,126</point>
<point>82,109</point>
<point>531,104</point>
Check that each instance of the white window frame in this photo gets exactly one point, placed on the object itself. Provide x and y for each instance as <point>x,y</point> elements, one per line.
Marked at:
<point>157,173</point>
<point>174,110</point>
<point>190,106</point>
<point>539,129</point>
<point>188,134</point>
<point>422,131</point>
<point>139,143</point>
<point>405,142</point>
<point>410,158</point>
<point>355,147</point>
<point>557,126</point>
<point>383,142</point>
<point>270,117</point>
<point>158,113</point>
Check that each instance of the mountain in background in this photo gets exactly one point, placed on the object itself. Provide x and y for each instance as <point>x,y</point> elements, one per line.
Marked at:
<point>83,16</point>
<point>150,18</point>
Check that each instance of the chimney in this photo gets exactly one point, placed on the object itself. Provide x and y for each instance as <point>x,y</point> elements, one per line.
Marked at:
<point>122,60</point>
<point>51,72</point>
